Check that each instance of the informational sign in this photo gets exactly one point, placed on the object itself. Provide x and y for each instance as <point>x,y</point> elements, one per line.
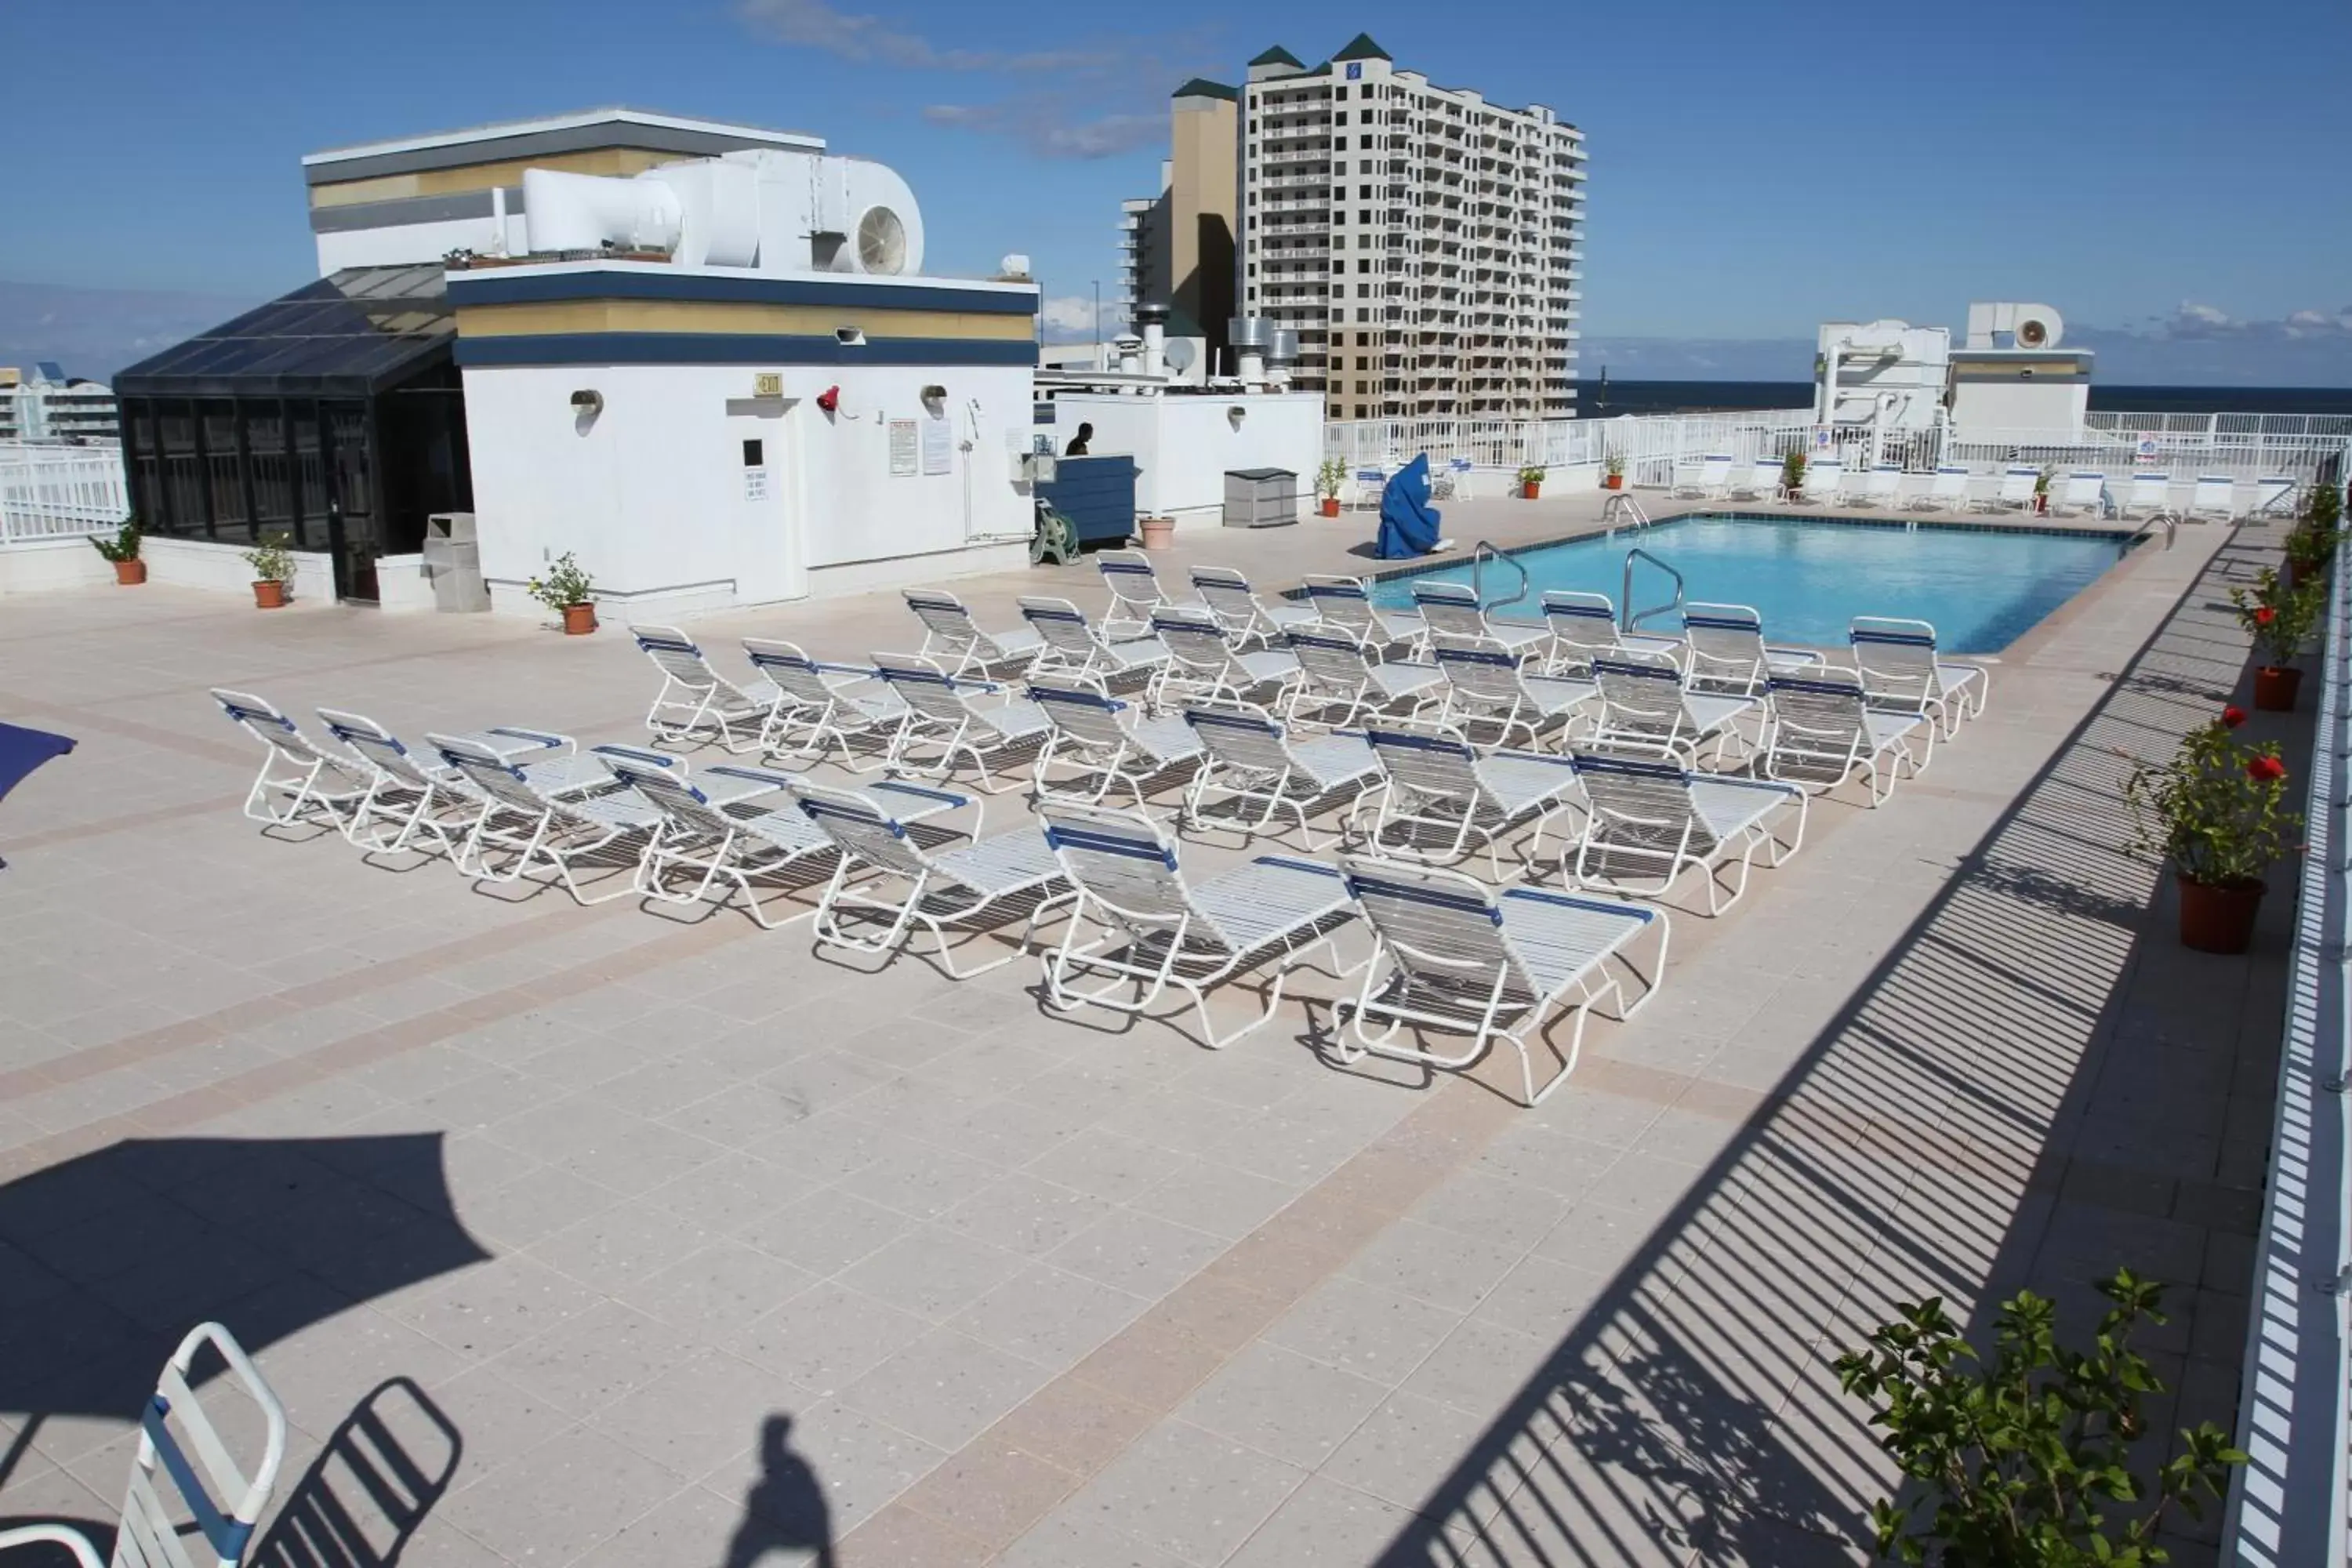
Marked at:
<point>1824,438</point>
<point>939,446</point>
<point>755,484</point>
<point>902,449</point>
<point>768,384</point>
<point>2145,451</point>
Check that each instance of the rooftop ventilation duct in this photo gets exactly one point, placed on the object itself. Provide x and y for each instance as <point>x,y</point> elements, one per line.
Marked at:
<point>2025,326</point>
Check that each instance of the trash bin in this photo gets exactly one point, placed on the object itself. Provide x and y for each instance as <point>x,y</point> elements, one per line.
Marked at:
<point>453,562</point>
<point>1261,498</point>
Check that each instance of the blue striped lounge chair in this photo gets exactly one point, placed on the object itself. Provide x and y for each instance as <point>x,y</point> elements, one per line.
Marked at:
<point>1345,605</point>
<point>2083,493</point>
<point>415,797</point>
<point>1881,487</point>
<point>1723,651</point>
<point>1901,670</point>
<point>1253,760</point>
<point>1339,683</point>
<point>1245,618</point>
<point>1457,957</point>
<point>523,828</point>
<point>1646,706</point>
<point>1584,627</point>
<point>2014,492</point>
<point>1135,591</point>
<point>1452,609</point>
<point>1139,926</point>
<point>1075,645</point>
<point>1762,483</point>
<point>821,707</point>
<point>1203,666</point>
<point>946,719</point>
<point>1647,822</point>
<point>1823,476</point>
<point>1710,476</point>
<point>695,703</point>
<point>2214,496</point>
<point>2151,493</point>
<point>1485,681</point>
<point>215,1496</point>
<point>969,887</point>
<point>1447,796</point>
<point>1947,490</point>
<point>300,784</point>
<point>1823,730</point>
<point>1110,741</point>
<point>951,637</point>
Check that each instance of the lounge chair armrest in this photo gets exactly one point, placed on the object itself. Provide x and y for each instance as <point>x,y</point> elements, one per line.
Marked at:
<point>544,737</point>
<point>1555,759</point>
<point>73,1540</point>
<point>867,670</point>
<point>1773,785</point>
<point>742,783</point>
<point>1783,650</point>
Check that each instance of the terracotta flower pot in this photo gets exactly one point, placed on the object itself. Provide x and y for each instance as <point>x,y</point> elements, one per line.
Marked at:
<point>131,573</point>
<point>579,620</point>
<point>2219,916</point>
<point>268,595</point>
<point>1330,506</point>
<point>1159,532</point>
<point>1529,492</point>
<point>2275,687</point>
<point>1613,481</point>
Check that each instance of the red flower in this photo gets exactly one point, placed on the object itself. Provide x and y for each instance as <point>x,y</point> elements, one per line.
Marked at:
<point>2263,770</point>
<point>2264,614</point>
<point>2232,716</point>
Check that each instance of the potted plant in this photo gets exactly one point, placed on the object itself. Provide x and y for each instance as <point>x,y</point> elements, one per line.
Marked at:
<point>2279,618</point>
<point>1159,532</point>
<point>1327,480</point>
<point>2042,490</point>
<point>565,590</point>
<point>2218,812</point>
<point>2017,1460</point>
<point>2316,533</point>
<point>1531,479</point>
<point>123,551</point>
<point>1612,471</point>
<point>1792,475</point>
<point>273,570</point>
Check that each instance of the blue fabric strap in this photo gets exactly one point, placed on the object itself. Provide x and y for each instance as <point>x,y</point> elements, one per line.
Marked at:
<point>1103,843</point>
<point>1361,886</point>
<point>227,1536</point>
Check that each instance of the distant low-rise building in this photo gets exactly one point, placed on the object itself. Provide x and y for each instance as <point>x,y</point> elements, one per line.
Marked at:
<point>51,405</point>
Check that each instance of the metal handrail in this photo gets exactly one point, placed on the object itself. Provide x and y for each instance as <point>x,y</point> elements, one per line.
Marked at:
<point>1628,616</point>
<point>2162,518</point>
<point>1618,503</point>
<point>1479,553</point>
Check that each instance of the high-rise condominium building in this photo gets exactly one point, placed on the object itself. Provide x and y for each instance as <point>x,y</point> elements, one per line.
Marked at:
<point>1426,244</point>
<point>1177,249</point>
<point>51,405</point>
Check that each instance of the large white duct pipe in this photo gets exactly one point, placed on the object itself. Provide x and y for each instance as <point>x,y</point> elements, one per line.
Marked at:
<point>587,212</point>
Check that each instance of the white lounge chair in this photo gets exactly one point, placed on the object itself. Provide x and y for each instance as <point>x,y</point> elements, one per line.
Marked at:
<point>2274,496</point>
<point>533,828</point>
<point>1584,626</point>
<point>962,886</point>
<point>1245,618</point>
<point>1881,487</point>
<point>1346,604</point>
<point>1434,782</point>
<point>696,702</point>
<point>1074,645</point>
<point>2086,490</point>
<point>2014,493</point>
<point>1253,760</point>
<point>1899,667</point>
<point>1202,666</point>
<point>1762,482</point>
<point>413,796</point>
<point>1343,684</point>
<point>1725,653</point>
<point>2151,493</point>
<point>1823,730</point>
<point>1646,706</point>
<point>1947,491</point>
<point>1140,926</point>
<point>1452,609</point>
<point>1710,476</point>
<point>821,706</point>
<point>955,639</point>
<point>1135,590</point>
<point>218,1498</point>
<point>1460,483</point>
<point>1483,681</point>
<point>943,713</point>
<point>1110,739</point>
<point>2214,496</point>
<point>1647,822</point>
<point>1458,957</point>
<point>1367,487</point>
<point>299,784</point>
<point>726,840</point>
<point>1823,478</point>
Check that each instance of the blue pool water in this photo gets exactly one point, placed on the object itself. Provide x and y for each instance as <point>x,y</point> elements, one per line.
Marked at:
<point>1981,588</point>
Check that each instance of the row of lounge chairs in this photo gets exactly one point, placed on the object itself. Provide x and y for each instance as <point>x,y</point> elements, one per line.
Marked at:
<point>1952,486</point>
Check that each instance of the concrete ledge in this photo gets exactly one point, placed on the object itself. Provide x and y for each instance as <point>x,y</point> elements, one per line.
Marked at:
<point>42,565</point>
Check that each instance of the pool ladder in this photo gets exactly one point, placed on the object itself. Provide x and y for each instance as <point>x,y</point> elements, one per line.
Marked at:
<point>2162,518</point>
<point>1484,552</point>
<point>1622,510</point>
<point>1628,616</point>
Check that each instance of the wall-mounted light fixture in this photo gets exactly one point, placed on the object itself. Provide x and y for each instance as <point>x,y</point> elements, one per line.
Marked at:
<point>1237,413</point>
<point>935,400</point>
<point>850,337</point>
<point>588,401</point>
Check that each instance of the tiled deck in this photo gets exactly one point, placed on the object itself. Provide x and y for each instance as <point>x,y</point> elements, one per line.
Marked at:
<point>596,1236</point>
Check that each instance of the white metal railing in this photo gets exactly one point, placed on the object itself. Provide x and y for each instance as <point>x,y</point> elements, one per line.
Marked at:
<point>58,493</point>
<point>2288,1503</point>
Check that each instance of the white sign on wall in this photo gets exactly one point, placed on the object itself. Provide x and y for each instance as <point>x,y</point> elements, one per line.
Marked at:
<point>755,484</point>
<point>902,449</point>
<point>939,446</point>
<point>2145,451</point>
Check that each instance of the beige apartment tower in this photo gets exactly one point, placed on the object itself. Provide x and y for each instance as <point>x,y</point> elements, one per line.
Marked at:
<point>1425,244</point>
<point>1176,248</point>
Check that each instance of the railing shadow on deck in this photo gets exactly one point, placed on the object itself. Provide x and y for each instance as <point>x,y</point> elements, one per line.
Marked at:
<point>1692,1415</point>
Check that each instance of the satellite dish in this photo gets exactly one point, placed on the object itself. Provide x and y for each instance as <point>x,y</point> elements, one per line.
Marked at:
<point>1181,354</point>
<point>881,242</point>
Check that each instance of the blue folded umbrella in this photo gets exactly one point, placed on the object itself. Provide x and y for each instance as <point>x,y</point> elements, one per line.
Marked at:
<point>22,751</point>
<point>1408,522</point>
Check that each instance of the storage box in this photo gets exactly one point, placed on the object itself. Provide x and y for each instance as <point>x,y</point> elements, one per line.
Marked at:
<point>1261,498</point>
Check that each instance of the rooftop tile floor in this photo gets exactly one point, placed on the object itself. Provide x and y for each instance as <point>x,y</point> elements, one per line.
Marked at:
<point>609,1236</point>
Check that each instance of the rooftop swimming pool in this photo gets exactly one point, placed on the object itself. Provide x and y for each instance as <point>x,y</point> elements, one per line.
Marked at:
<point>1981,587</point>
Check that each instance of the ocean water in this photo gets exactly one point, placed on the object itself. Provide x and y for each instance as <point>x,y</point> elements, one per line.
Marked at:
<point>1688,396</point>
<point>1980,588</point>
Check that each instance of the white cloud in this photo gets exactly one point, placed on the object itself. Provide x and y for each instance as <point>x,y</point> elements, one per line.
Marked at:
<point>815,25</point>
<point>1051,126</point>
<point>1070,318</point>
<point>2204,315</point>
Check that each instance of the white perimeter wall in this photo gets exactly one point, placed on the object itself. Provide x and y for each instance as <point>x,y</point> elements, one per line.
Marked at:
<point>36,565</point>
<point>1185,445</point>
<point>651,494</point>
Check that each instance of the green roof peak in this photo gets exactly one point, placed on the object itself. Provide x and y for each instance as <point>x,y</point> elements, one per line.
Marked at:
<point>1201,87</point>
<point>1278,55</point>
<point>1361,47</point>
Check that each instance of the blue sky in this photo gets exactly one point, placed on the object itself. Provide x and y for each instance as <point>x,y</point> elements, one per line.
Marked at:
<point>1755,167</point>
